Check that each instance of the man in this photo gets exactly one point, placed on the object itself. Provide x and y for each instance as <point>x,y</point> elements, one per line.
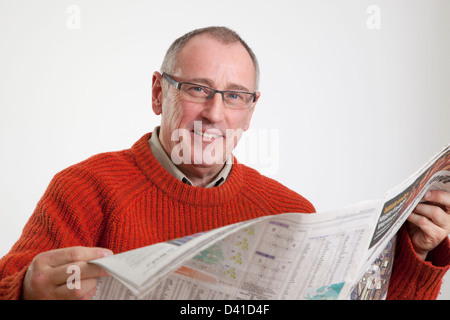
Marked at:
<point>182,179</point>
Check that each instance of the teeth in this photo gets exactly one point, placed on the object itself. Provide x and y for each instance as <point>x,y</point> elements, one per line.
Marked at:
<point>206,135</point>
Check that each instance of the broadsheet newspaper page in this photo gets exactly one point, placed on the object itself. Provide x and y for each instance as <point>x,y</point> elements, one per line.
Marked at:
<point>343,254</point>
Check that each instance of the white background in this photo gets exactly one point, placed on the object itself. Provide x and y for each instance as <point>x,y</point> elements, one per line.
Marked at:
<point>353,111</point>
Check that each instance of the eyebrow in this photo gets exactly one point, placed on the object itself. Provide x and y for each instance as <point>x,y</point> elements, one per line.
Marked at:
<point>229,86</point>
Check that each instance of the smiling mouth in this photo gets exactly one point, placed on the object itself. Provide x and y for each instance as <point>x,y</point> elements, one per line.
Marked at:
<point>207,135</point>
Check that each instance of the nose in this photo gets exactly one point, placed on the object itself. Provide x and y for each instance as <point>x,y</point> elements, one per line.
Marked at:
<point>214,109</point>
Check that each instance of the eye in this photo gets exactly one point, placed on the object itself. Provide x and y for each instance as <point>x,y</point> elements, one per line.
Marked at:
<point>234,96</point>
<point>196,91</point>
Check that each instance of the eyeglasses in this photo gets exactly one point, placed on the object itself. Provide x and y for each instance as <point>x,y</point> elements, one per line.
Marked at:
<point>201,94</point>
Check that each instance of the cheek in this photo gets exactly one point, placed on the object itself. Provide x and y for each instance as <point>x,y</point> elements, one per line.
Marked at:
<point>180,115</point>
<point>238,121</point>
<point>237,125</point>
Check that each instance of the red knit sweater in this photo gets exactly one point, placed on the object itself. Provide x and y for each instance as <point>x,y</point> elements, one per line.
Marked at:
<point>125,200</point>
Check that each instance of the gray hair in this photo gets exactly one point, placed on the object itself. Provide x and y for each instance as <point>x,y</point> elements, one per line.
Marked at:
<point>222,34</point>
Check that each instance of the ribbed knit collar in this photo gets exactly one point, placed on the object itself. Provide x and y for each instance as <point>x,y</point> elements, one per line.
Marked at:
<point>183,192</point>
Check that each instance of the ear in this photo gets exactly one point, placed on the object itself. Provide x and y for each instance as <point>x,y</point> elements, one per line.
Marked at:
<point>250,112</point>
<point>157,93</point>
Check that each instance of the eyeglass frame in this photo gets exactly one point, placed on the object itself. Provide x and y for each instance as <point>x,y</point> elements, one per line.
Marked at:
<point>178,85</point>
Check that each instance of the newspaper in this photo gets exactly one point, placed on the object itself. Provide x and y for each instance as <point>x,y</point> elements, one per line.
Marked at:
<point>341,254</point>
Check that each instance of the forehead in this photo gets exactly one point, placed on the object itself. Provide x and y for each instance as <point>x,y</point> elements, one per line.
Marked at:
<point>206,57</point>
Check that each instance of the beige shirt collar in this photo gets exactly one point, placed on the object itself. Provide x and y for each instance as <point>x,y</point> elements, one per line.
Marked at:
<point>166,163</point>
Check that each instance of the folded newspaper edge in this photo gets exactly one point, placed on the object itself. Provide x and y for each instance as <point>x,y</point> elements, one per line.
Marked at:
<point>340,254</point>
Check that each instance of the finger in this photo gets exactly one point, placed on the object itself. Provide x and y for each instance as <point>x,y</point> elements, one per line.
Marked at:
<point>432,232</point>
<point>439,197</point>
<point>433,213</point>
<point>81,290</point>
<point>65,256</point>
<point>78,270</point>
<point>88,295</point>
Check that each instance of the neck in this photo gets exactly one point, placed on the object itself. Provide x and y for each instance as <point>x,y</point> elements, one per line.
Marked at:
<point>200,176</point>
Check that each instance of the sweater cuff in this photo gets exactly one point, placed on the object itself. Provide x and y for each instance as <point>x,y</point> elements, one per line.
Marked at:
<point>413,278</point>
<point>11,286</point>
<point>440,256</point>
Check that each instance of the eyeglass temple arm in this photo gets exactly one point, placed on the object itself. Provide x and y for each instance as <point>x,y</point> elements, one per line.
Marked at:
<point>171,81</point>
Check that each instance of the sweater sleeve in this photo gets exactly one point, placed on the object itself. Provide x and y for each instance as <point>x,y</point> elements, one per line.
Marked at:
<point>67,215</point>
<point>413,278</point>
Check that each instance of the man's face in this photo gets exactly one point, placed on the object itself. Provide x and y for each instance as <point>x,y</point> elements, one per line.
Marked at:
<point>209,130</point>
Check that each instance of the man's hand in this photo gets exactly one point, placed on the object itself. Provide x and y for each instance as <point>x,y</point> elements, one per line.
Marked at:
<point>46,277</point>
<point>429,223</point>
